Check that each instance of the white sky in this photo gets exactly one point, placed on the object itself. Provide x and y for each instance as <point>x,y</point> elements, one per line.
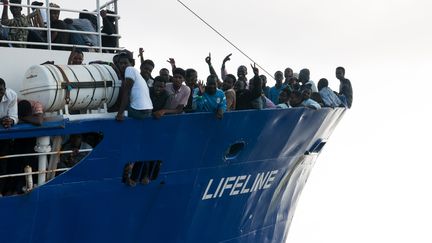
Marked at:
<point>372,183</point>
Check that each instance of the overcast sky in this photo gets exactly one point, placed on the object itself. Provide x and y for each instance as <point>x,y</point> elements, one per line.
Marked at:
<point>372,183</point>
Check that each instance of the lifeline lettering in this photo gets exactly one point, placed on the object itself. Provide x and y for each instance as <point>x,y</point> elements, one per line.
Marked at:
<point>235,185</point>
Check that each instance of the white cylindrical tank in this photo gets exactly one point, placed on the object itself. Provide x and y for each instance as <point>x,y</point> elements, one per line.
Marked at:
<point>87,86</point>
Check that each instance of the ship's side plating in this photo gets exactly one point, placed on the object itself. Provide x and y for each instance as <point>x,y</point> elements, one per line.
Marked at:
<point>200,194</point>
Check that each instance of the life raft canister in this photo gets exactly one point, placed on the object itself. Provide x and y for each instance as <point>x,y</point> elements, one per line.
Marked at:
<point>82,87</point>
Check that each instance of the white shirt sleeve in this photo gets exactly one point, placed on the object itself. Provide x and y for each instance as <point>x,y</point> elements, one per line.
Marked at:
<point>13,107</point>
<point>130,73</point>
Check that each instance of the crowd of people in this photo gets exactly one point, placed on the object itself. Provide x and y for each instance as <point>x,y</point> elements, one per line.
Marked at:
<point>87,21</point>
<point>144,96</point>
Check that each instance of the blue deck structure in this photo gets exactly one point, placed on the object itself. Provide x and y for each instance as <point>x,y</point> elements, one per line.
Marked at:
<point>202,193</point>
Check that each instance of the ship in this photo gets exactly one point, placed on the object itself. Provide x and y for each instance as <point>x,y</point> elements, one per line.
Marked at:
<point>182,178</point>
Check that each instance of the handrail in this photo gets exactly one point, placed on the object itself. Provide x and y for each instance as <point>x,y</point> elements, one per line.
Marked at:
<point>46,153</point>
<point>38,154</point>
<point>49,29</point>
<point>99,26</point>
<point>48,24</point>
<point>62,9</point>
<point>60,45</point>
<point>34,173</point>
<point>107,4</point>
<point>62,30</point>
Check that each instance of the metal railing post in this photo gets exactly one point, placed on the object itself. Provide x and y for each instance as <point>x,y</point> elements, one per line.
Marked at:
<point>116,23</point>
<point>28,9</point>
<point>48,24</point>
<point>99,25</point>
<point>42,146</point>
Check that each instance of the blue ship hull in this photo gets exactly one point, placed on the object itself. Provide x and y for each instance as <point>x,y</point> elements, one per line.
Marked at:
<point>199,195</point>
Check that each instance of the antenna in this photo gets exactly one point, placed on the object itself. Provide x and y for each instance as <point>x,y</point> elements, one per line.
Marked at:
<point>226,39</point>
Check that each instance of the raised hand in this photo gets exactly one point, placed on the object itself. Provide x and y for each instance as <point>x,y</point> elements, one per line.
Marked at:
<point>140,52</point>
<point>103,13</point>
<point>171,61</point>
<point>227,58</point>
<point>208,59</point>
<point>255,69</point>
<point>201,87</point>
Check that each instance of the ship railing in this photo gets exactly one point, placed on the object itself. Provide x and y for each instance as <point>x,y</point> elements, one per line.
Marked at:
<point>48,28</point>
<point>46,153</point>
<point>42,173</point>
<point>33,173</point>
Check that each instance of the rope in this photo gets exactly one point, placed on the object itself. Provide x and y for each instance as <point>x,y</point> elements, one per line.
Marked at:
<point>226,39</point>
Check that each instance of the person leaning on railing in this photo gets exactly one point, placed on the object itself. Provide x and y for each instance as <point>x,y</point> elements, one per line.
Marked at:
<point>30,111</point>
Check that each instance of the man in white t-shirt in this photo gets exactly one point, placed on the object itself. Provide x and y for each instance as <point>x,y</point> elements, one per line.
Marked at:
<point>135,96</point>
<point>8,106</point>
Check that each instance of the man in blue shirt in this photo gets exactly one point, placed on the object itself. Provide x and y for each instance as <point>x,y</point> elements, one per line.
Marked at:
<point>209,98</point>
<point>275,90</point>
<point>329,98</point>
